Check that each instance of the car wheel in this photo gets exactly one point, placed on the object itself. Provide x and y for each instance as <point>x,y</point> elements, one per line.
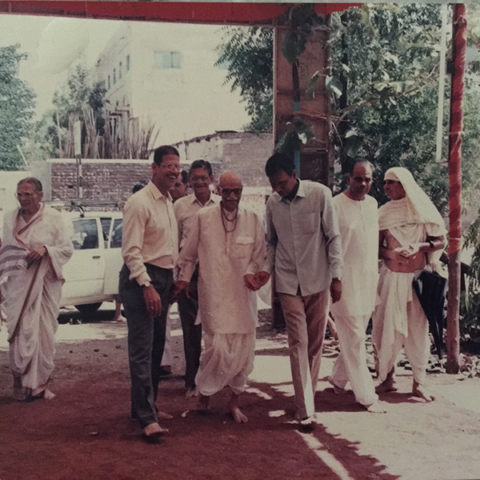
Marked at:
<point>88,308</point>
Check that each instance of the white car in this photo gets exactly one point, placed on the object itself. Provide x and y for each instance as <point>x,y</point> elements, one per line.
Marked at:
<point>91,275</point>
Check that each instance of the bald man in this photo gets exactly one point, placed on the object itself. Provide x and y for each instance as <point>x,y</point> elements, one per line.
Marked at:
<point>228,242</point>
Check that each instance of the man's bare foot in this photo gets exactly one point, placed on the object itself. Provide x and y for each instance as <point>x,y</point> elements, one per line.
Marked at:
<point>238,415</point>
<point>388,385</point>
<point>233,408</point>
<point>203,403</point>
<point>337,390</point>
<point>191,392</point>
<point>164,416</point>
<point>375,408</point>
<point>48,394</point>
<point>119,319</point>
<point>421,392</point>
<point>153,432</point>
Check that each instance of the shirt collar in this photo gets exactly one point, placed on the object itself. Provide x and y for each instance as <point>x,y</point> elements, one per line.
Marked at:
<point>300,192</point>
<point>155,192</point>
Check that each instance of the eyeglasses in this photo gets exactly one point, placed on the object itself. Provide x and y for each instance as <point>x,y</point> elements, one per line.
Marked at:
<point>203,178</point>
<point>171,167</point>
<point>228,191</point>
<point>24,195</point>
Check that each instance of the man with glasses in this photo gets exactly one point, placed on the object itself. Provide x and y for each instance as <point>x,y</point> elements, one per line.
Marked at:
<point>304,249</point>
<point>200,177</point>
<point>358,223</point>
<point>150,253</point>
<point>228,243</point>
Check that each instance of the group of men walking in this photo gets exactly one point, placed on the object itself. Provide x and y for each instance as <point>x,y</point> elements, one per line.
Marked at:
<point>324,254</point>
<point>210,254</point>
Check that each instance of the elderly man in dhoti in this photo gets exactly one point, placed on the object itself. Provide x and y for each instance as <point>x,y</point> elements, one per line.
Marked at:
<point>357,214</point>
<point>36,245</point>
<point>412,237</point>
<point>229,243</point>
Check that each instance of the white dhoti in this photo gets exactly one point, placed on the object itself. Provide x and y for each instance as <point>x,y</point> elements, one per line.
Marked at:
<point>399,320</point>
<point>226,361</point>
<point>351,364</point>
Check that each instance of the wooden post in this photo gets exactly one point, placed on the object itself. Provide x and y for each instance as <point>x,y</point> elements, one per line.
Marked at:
<point>459,46</point>
<point>316,161</point>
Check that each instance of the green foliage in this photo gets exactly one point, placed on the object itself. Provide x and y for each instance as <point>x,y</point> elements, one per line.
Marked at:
<point>16,108</point>
<point>78,94</point>
<point>248,54</point>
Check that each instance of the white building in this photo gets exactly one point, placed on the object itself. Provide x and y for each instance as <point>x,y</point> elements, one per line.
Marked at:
<point>165,73</point>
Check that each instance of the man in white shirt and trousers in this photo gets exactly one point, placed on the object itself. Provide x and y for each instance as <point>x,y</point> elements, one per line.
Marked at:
<point>228,242</point>
<point>358,222</point>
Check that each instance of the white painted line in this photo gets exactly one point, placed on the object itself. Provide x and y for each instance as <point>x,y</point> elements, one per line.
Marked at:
<point>325,456</point>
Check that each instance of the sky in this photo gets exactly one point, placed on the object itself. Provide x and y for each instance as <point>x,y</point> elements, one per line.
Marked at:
<point>52,45</point>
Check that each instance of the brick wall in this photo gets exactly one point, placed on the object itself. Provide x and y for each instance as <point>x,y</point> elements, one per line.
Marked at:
<point>112,180</point>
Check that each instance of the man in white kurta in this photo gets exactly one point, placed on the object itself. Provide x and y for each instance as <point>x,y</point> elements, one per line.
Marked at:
<point>229,243</point>
<point>358,222</point>
<point>412,236</point>
<point>31,296</point>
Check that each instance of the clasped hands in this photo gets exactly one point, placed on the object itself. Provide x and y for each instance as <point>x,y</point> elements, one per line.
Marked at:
<point>407,252</point>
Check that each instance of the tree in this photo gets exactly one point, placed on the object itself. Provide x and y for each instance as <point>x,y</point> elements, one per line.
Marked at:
<point>384,82</point>
<point>248,54</point>
<point>16,108</point>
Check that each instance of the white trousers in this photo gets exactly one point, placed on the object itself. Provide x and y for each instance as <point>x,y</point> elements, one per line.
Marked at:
<point>226,361</point>
<point>306,320</point>
<point>416,343</point>
<point>351,364</point>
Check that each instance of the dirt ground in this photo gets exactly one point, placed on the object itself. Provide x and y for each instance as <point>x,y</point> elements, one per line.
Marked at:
<point>86,432</point>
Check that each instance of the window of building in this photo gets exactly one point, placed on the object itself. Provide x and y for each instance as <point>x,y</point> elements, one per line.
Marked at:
<point>109,83</point>
<point>166,59</point>
<point>128,62</point>
<point>114,76</point>
<point>120,70</point>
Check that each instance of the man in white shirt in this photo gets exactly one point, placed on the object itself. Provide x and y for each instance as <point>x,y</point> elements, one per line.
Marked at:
<point>200,177</point>
<point>228,242</point>
<point>150,253</point>
<point>358,222</point>
<point>304,250</point>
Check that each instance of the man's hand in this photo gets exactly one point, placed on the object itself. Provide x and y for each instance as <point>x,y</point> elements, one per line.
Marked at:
<point>180,286</point>
<point>152,301</point>
<point>35,254</point>
<point>250,282</point>
<point>261,278</point>
<point>336,290</point>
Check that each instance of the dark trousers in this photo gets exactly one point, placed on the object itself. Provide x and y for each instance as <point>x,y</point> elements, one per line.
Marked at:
<point>192,334</point>
<point>146,339</point>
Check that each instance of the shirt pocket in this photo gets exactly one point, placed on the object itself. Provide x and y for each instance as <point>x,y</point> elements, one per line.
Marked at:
<point>309,222</point>
<point>243,246</point>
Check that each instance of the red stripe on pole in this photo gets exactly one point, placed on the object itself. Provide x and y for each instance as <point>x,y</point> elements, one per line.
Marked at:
<point>456,127</point>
